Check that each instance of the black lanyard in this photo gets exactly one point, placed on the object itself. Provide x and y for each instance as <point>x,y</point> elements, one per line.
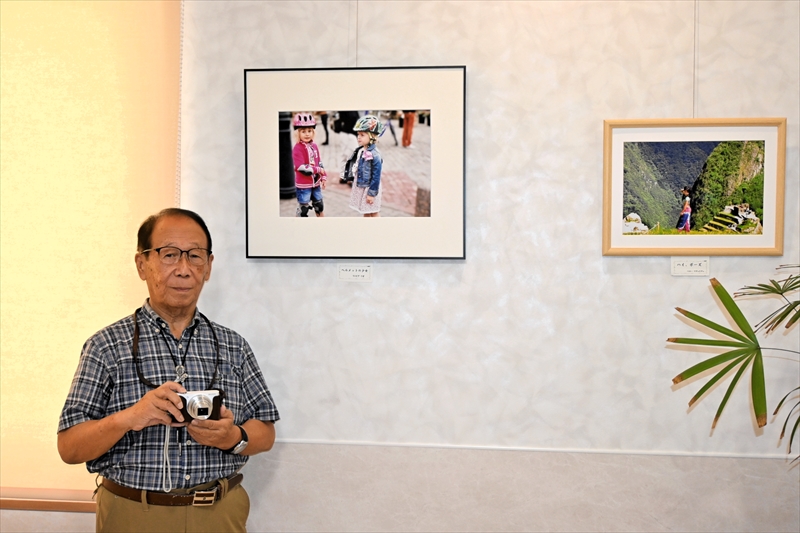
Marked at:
<point>135,351</point>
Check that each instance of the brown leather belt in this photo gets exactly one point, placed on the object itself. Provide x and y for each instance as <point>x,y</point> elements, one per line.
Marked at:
<point>197,498</point>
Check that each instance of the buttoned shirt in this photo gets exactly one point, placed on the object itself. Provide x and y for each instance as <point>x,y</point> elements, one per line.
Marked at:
<point>106,382</point>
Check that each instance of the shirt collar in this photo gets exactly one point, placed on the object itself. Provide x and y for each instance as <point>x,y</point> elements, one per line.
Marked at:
<point>156,320</point>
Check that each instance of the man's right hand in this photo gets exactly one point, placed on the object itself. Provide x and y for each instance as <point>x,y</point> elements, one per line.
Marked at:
<point>92,438</point>
<point>155,407</point>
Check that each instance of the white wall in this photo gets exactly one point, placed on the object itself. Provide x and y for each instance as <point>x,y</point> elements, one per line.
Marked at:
<point>536,341</point>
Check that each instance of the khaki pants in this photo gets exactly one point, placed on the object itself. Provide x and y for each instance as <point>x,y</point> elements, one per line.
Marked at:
<point>122,515</point>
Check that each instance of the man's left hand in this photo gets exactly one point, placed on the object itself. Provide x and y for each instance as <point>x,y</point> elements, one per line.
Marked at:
<point>222,433</point>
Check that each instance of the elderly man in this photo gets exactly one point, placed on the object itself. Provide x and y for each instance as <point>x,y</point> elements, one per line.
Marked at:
<point>144,409</point>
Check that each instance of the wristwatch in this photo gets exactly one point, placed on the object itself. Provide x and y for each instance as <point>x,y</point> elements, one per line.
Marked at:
<point>241,445</point>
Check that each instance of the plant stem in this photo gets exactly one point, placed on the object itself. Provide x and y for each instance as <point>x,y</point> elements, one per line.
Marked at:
<point>781,350</point>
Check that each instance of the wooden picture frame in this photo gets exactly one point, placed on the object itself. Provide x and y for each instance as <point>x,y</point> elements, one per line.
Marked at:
<point>647,161</point>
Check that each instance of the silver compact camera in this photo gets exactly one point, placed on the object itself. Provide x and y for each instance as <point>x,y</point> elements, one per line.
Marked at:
<point>202,405</point>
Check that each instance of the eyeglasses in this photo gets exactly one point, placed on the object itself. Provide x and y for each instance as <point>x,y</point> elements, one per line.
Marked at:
<point>170,255</point>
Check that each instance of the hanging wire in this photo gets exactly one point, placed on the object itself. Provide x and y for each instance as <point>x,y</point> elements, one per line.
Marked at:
<point>180,97</point>
<point>357,4</point>
<point>696,54</point>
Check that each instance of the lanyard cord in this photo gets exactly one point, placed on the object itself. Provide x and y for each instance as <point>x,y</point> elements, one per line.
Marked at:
<point>135,351</point>
<point>166,469</point>
<point>180,366</point>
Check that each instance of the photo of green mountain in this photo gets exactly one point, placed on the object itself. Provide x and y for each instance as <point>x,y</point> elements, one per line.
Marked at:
<point>725,180</point>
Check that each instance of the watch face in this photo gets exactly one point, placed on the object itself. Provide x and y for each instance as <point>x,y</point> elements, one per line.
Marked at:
<point>240,447</point>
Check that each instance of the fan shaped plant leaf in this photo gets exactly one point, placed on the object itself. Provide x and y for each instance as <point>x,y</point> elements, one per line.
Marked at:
<point>708,342</point>
<point>746,352</point>
<point>788,418</point>
<point>789,312</point>
<point>712,325</point>
<point>790,284</point>
<point>733,310</point>
<point>795,316</point>
<point>758,390</point>
<point>728,392</point>
<point>707,364</point>
<point>780,403</point>
<point>711,382</point>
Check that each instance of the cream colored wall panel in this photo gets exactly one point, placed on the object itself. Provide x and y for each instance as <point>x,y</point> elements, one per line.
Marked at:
<point>89,136</point>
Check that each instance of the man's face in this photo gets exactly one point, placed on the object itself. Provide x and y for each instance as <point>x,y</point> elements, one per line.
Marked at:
<point>174,289</point>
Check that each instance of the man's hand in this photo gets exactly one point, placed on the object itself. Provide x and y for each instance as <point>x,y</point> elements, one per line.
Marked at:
<point>92,438</point>
<point>222,433</point>
<point>155,407</point>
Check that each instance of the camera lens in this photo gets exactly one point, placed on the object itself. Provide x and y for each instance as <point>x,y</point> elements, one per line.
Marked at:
<point>199,406</point>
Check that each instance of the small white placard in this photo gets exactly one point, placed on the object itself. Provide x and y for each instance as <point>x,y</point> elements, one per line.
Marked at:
<point>358,272</point>
<point>690,266</point>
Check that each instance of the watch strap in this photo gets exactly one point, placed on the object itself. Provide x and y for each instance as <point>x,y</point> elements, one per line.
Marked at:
<point>239,446</point>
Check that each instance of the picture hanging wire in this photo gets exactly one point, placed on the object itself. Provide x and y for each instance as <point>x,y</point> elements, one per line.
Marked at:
<point>180,93</point>
<point>695,52</point>
<point>348,41</point>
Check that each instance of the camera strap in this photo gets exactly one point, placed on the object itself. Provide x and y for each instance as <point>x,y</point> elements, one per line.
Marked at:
<point>180,370</point>
<point>166,470</point>
<point>180,367</point>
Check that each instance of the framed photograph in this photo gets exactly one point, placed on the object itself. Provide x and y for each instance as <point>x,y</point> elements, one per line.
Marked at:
<point>689,187</point>
<point>351,163</point>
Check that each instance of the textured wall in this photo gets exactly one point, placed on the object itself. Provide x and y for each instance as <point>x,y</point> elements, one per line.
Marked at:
<point>536,341</point>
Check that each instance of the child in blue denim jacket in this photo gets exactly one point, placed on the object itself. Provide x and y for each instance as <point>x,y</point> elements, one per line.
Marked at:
<point>366,194</point>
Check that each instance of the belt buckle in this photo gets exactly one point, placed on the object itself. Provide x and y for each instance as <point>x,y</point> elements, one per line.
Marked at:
<point>204,498</point>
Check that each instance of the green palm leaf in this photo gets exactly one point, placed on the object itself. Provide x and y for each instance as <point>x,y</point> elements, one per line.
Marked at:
<point>790,311</point>
<point>717,360</point>
<point>728,392</point>
<point>794,432</point>
<point>788,418</point>
<point>713,325</point>
<point>790,284</point>
<point>780,403</point>
<point>758,390</point>
<point>733,310</point>
<point>709,342</point>
<point>746,351</point>
<point>711,382</point>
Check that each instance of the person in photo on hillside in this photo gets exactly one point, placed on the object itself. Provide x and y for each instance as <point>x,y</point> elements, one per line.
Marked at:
<point>686,211</point>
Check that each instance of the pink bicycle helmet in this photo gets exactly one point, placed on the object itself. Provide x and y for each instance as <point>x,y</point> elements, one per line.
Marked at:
<point>304,120</point>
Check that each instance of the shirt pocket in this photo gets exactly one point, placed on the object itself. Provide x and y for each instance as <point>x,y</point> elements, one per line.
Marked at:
<point>230,382</point>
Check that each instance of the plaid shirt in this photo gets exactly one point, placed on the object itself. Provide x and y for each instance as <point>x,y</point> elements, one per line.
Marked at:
<point>106,382</point>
